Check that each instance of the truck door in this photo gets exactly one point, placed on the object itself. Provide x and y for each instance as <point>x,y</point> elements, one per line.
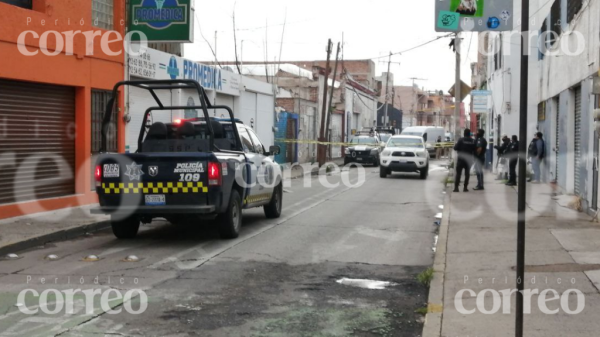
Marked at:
<point>262,191</point>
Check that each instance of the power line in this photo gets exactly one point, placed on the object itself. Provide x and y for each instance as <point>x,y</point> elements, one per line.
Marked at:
<point>469,49</point>
<point>413,48</point>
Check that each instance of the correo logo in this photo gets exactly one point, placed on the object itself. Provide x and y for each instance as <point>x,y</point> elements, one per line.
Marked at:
<point>160,14</point>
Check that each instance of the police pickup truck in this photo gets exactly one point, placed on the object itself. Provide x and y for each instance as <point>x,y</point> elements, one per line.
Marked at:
<point>186,170</point>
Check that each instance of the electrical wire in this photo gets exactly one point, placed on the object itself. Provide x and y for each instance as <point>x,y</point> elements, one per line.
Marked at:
<point>412,48</point>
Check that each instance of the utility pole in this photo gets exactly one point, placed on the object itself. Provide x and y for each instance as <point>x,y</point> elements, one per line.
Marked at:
<point>387,84</point>
<point>327,135</point>
<point>521,205</point>
<point>457,95</point>
<point>321,147</point>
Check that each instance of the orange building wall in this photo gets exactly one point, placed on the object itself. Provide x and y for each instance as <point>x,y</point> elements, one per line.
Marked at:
<point>84,72</point>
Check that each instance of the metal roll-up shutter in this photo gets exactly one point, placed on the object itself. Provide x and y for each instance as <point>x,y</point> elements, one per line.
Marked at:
<point>577,138</point>
<point>37,141</point>
<point>557,140</point>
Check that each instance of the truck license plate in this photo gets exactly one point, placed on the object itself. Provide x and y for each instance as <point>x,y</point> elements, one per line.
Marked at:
<point>155,200</point>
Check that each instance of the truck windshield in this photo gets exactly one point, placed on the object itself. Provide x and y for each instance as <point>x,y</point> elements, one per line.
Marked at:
<point>405,142</point>
<point>364,140</point>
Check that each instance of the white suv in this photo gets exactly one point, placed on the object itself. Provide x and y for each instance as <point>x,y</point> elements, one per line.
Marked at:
<point>404,154</point>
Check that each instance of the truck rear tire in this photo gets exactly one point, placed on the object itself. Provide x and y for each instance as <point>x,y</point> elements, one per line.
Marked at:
<point>125,228</point>
<point>273,208</point>
<point>230,222</point>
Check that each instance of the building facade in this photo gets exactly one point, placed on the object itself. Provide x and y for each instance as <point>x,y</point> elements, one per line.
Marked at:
<point>563,67</point>
<point>53,92</point>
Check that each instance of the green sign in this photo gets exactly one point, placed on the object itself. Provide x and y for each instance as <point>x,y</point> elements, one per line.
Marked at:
<point>161,20</point>
<point>473,15</point>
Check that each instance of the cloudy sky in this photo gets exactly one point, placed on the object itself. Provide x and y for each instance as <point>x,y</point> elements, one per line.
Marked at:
<point>370,28</point>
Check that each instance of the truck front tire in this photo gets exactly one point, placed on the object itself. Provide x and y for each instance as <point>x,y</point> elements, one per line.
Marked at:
<point>230,222</point>
<point>423,173</point>
<point>125,228</point>
<point>273,208</point>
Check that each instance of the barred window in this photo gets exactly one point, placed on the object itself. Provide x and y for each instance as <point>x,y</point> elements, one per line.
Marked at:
<point>100,99</point>
<point>555,23</point>
<point>498,53</point>
<point>573,7</point>
<point>542,111</point>
<point>27,4</point>
<point>543,41</point>
<point>102,14</point>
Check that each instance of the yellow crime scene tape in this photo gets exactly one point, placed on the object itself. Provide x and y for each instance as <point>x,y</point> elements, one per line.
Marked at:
<point>310,141</point>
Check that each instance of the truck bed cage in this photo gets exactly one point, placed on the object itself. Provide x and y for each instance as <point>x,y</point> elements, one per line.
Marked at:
<point>151,86</point>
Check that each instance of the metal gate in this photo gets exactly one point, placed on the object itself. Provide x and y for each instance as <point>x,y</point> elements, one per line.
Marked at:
<point>577,138</point>
<point>595,168</point>
<point>557,139</point>
<point>37,133</point>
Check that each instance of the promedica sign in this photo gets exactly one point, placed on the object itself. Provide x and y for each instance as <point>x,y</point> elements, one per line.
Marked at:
<point>161,20</point>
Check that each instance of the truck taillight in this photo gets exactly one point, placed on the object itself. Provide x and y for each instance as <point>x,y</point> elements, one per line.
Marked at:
<point>98,174</point>
<point>214,174</point>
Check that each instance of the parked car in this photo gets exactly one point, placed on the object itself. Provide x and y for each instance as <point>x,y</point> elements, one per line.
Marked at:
<point>364,149</point>
<point>188,170</point>
<point>404,154</point>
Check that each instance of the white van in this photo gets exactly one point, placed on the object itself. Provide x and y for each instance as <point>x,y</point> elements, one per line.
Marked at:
<point>430,135</point>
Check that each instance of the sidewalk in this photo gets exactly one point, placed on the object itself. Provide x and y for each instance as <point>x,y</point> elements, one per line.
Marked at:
<point>35,230</point>
<point>477,251</point>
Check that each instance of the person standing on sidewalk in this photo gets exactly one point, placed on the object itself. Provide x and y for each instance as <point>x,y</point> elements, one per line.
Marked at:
<point>480,149</point>
<point>513,159</point>
<point>438,147</point>
<point>502,151</point>
<point>536,154</point>
<point>465,148</point>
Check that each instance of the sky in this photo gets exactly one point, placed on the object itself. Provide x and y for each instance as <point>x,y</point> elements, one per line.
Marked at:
<point>370,28</point>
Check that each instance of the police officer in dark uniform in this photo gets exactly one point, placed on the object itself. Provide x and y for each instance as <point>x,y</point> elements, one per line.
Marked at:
<point>480,150</point>
<point>465,147</point>
<point>513,159</point>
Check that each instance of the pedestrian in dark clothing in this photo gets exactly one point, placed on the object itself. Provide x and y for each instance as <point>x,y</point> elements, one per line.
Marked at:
<point>480,149</point>
<point>513,159</point>
<point>502,160</point>
<point>536,153</point>
<point>465,147</point>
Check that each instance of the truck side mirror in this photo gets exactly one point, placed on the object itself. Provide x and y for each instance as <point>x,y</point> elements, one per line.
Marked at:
<point>274,150</point>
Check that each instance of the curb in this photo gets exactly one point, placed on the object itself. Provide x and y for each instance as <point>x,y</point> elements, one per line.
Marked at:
<point>65,234</point>
<point>435,302</point>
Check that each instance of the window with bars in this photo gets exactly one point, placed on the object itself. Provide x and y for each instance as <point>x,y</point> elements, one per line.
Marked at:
<point>543,41</point>
<point>498,53</point>
<point>542,111</point>
<point>102,14</point>
<point>100,99</point>
<point>573,7</point>
<point>555,22</point>
<point>27,4</point>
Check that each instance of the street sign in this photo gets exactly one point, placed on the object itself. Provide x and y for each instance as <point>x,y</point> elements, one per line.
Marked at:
<point>161,20</point>
<point>481,101</point>
<point>473,15</point>
<point>465,89</point>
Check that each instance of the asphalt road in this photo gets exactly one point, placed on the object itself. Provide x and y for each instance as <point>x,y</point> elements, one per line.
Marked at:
<point>281,277</point>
